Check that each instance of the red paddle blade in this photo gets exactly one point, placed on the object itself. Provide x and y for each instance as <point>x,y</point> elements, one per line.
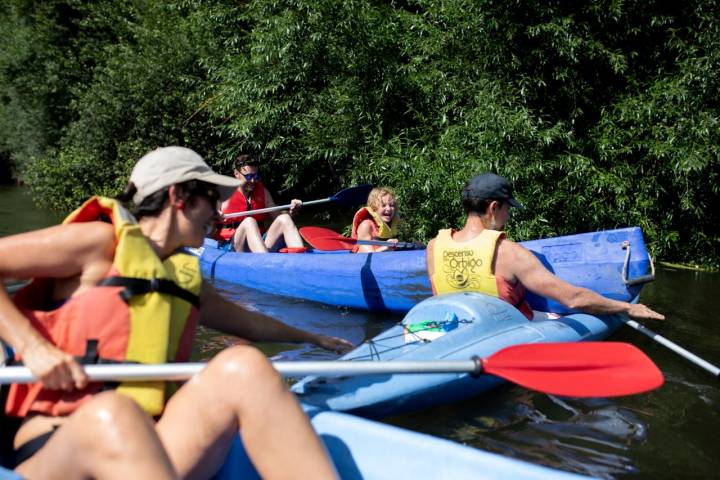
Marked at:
<point>583,369</point>
<point>325,239</point>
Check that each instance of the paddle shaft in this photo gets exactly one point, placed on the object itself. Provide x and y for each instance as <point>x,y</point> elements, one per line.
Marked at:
<point>273,209</point>
<point>674,347</point>
<point>583,369</point>
<point>183,371</point>
<point>381,243</point>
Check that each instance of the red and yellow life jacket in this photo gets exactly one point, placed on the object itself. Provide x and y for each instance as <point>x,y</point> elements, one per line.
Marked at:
<point>380,229</point>
<point>145,310</point>
<point>239,203</point>
<point>467,267</point>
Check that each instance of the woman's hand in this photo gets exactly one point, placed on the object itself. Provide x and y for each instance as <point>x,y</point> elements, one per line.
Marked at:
<point>55,369</point>
<point>334,344</point>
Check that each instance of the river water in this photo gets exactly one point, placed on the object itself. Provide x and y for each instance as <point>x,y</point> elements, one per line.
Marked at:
<point>669,433</point>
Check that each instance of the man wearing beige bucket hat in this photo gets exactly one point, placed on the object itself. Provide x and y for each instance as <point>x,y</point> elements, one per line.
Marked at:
<point>118,287</point>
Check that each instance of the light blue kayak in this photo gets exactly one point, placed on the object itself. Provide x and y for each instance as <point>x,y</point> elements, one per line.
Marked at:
<point>6,474</point>
<point>363,449</point>
<point>613,263</point>
<point>455,326</point>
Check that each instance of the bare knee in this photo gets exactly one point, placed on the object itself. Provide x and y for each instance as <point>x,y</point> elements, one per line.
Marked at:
<point>111,419</point>
<point>248,232</point>
<point>285,221</point>
<point>249,224</point>
<point>241,365</point>
<point>107,407</point>
<point>107,437</point>
<point>242,360</point>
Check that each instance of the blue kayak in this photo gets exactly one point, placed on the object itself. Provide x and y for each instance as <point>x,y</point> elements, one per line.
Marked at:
<point>363,449</point>
<point>612,263</point>
<point>454,326</point>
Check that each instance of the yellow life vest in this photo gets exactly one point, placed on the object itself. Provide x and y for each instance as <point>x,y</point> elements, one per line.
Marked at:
<point>144,311</point>
<point>465,266</point>
<point>382,230</point>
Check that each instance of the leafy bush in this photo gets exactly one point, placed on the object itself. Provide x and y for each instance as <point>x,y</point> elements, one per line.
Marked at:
<point>602,113</point>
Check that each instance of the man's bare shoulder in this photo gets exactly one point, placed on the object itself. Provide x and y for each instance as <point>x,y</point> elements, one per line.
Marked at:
<point>506,246</point>
<point>509,251</point>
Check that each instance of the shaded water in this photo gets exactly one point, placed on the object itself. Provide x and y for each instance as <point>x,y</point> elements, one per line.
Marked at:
<point>666,434</point>
<point>19,214</point>
<point>669,433</point>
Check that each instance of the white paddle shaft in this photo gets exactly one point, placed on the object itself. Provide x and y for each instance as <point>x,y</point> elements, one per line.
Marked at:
<point>183,371</point>
<point>272,209</point>
<point>674,347</point>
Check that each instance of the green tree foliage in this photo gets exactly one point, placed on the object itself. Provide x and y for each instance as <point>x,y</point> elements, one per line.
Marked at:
<point>34,76</point>
<point>140,96</point>
<point>602,113</point>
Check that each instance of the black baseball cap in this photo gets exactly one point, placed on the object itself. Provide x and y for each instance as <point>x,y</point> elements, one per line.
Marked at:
<point>489,186</point>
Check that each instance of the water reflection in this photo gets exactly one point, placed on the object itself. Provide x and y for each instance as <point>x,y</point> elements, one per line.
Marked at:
<point>591,437</point>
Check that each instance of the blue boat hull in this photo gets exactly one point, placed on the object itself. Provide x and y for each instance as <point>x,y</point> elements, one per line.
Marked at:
<point>479,325</point>
<point>362,449</point>
<point>397,281</point>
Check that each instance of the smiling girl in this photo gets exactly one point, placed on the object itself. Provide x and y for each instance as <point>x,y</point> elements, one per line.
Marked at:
<point>377,221</point>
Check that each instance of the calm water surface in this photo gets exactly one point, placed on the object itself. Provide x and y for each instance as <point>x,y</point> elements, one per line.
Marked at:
<point>666,434</point>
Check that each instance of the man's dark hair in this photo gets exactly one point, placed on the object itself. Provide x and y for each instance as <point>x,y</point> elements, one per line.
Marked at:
<point>153,204</point>
<point>246,160</point>
<point>478,205</point>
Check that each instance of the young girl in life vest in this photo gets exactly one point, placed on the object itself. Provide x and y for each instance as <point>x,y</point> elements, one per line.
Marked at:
<point>108,285</point>
<point>377,221</point>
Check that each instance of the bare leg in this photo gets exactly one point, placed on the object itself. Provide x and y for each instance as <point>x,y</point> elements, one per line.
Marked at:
<point>108,437</point>
<point>240,389</point>
<point>248,233</point>
<point>284,226</point>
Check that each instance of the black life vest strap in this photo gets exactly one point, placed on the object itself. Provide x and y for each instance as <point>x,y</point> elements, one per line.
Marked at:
<point>141,286</point>
<point>92,357</point>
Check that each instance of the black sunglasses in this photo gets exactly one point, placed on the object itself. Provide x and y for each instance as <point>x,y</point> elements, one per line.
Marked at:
<point>251,176</point>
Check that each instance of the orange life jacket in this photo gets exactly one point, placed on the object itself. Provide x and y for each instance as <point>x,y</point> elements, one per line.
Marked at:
<point>145,310</point>
<point>240,203</point>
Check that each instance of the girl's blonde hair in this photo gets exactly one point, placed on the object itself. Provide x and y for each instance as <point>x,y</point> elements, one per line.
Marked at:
<point>374,200</point>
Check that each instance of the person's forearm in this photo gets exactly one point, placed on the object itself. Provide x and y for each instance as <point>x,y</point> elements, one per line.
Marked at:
<point>585,300</point>
<point>15,329</point>
<point>258,327</point>
<point>228,317</point>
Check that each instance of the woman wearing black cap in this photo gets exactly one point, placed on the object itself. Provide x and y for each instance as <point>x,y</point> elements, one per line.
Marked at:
<point>479,258</point>
<point>108,287</point>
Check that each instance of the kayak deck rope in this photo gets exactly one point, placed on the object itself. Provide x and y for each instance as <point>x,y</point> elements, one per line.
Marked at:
<point>375,352</point>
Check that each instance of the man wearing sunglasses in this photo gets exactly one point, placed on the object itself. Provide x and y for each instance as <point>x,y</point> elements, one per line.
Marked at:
<point>249,233</point>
